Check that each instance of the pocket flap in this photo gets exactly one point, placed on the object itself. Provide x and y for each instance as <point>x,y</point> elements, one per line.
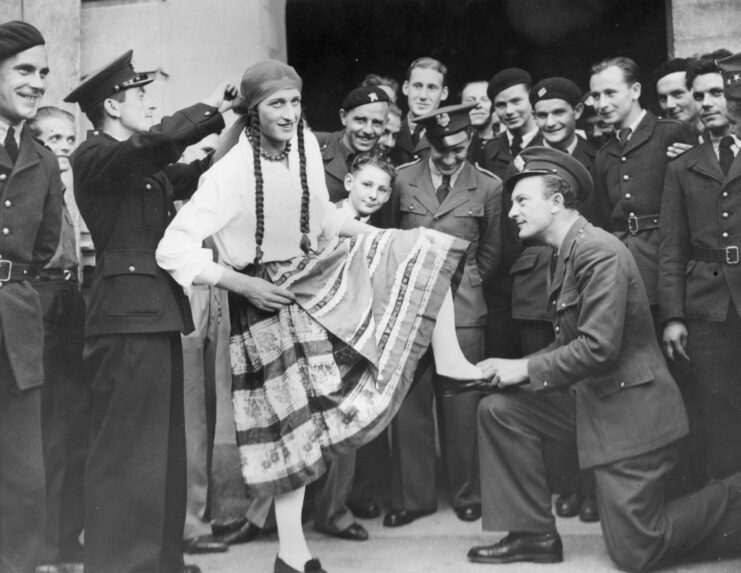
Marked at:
<point>525,262</point>
<point>469,211</point>
<point>621,380</point>
<point>129,263</point>
<point>566,299</point>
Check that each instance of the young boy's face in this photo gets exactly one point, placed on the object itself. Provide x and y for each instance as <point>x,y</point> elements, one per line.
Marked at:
<point>59,135</point>
<point>369,188</point>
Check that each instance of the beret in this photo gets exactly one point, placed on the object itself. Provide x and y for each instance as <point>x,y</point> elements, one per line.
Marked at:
<point>16,37</point>
<point>447,120</point>
<point>117,76</point>
<point>670,67</point>
<point>506,79</point>
<point>730,69</point>
<point>538,160</point>
<point>263,79</point>
<point>364,95</point>
<point>556,88</point>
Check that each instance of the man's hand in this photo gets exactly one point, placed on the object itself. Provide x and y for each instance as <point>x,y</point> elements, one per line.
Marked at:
<point>675,339</point>
<point>677,149</point>
<point>222,97</point>
<point>504,372</point>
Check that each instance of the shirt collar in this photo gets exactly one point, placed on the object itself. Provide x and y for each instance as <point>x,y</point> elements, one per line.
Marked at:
<point>570,149</point>
<point>526,137</point>
<point>633,126</point>
<point>346,208</point>
<point>437,177</point>
<point>4,131</point>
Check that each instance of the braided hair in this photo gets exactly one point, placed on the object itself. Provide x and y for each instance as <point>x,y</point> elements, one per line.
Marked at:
<point>253,134</point>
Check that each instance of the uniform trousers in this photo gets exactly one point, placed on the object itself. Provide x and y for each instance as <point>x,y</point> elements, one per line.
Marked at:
<point>65,408</point>
<point>135,481</point>
<point>21,474</point>
<point>640,528</point>
<point>413,485</point>
<point>372,466</point>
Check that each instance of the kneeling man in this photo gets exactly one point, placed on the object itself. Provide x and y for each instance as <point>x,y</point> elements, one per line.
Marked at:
<point>628,412</point>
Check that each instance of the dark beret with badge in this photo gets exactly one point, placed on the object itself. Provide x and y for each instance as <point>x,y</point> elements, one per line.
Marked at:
<point>730,68</point>
<point>17,37</point>
<point>112,78</point>
<point>446,121</point>
<point>548,161</point>
<point>506,79</point>
<point>363,96</point>
<point>556,88</point>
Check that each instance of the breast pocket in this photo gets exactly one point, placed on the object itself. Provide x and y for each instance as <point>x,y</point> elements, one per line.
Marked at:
<point>131,284</point>
<point>567,314</point>
<point>413,213</point>
<point>467,220</point>
<point>148,205</point>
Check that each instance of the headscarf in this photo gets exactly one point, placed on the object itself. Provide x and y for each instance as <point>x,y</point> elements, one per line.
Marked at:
<point>259,81</point>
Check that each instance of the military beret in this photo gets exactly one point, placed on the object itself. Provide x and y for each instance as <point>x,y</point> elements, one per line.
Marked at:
<point>548,161</point>
<point>112,78</point>
<point>447,120</point>
<point>506,79</point>
<point>556,88</point>
<point>16,37</point>
<point>364,95</point>
<point>730,68</point>
<point>670,67</point>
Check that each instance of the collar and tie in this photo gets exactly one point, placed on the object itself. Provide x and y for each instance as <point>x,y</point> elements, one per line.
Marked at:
<point>725,154</point>
<point>11,146</point>
<point>516,146</point>
<point>443,190</point>
<point>623,135</point>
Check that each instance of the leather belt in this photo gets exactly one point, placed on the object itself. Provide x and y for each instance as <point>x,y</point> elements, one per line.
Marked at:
<point>10,271</point>
<point>726,256</point>
<point>57,274</point>
<point>634,225</point>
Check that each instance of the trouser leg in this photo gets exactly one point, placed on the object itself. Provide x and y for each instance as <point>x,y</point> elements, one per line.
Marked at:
<point>330,495</point>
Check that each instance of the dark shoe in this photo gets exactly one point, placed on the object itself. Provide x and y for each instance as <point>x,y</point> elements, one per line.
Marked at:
<point>204,544</point>
<point>453,386</point>
<point>470,512</point>
<point>219,529</point>
<point>369,510</point>
<point>355,532</point>
<point>568,505</point>
<point>399,517</point>
<point>311,566</point>
<point>536,547</point>
<point>589,512</point>
<point>191,568</point>
<point>247,532</point>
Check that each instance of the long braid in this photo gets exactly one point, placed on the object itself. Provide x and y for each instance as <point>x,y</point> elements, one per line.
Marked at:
<point>305,243</point>
<point>254,137</point>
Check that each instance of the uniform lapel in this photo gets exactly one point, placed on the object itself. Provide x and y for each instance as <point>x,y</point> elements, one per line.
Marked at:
<point>735,171</point>
<point>334,160</point>
<point>706,163</point>
<point>642,134</point>
<point>27,155</point>
<point>423,190</point>
<point>564,253</point>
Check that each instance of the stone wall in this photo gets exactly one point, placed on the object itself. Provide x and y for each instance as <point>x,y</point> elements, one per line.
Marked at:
<point>701,26</point>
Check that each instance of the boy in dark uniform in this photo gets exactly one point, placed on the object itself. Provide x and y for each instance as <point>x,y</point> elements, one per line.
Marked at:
<point>125,182</point>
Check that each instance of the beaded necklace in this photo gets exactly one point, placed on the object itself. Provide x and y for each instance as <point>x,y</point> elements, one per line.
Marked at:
<point>264,154</point>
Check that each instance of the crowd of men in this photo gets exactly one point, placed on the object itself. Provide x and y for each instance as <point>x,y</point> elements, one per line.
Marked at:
<point>98,445</point>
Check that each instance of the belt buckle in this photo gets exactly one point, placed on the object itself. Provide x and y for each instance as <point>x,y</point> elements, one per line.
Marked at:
<point>632,224</point>
<point>732,255</point>
<point>5,274</point>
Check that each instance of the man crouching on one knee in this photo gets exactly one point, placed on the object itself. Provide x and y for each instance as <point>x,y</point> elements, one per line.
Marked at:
<point>627,413</point>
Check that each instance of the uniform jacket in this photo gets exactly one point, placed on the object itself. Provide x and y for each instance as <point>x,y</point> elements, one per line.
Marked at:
<point>125,192</point>
<point>629,181</point>
<point>405,150</point>
<point>471,211</point>
<point>496,156</point>
<point>530,271</point>
<point>701,208</point>
<point>606,351</point>
<point>30,222</point>
<point>334,155</point>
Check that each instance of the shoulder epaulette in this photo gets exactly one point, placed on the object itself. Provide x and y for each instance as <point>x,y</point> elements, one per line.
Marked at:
<point>409,163</point>
<point>485,171</point>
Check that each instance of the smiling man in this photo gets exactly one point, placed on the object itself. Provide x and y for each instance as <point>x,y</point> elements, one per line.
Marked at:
<point>30,225</point>
<point>673,93</point>
<point>484,121</point>
<point>363,114</point>
<point>126,180</point>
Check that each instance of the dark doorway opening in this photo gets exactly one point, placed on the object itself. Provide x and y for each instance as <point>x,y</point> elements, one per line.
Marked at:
<point>334,43</point>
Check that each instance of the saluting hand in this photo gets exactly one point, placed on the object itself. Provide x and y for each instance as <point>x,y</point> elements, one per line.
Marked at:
<point>675,339</point>
<point>222,97</point>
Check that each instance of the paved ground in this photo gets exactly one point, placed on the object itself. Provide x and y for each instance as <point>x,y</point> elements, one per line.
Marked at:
<point>434,544</point>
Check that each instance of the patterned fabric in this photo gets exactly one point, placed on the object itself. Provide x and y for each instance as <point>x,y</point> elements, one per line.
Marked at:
<point>325,375</point>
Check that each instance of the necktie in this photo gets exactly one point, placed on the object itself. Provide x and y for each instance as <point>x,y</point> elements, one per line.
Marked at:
<point>10,145</point>
<point>417,133</point>
<point>725,154</point>
<point>444,189</point>
<point>516,145</point>
<point>623,135</point>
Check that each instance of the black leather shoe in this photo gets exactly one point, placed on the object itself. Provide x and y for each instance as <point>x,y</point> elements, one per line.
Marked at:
<point>354,532</point>
<point>204,544</point>
<point>568,505</point>
<point>219,529</point>
<point>589,512</point>
<point>247,532</point>
<point>369,510</point>
<point>399,517</point>
<point>311,566</point>
<point>470,512</point>
<point>453,386</point>
<point>536,547</point>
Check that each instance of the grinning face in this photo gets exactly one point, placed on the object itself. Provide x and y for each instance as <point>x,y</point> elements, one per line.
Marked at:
<point>424,90</point>
<point>707,90</point>
<point>450,153</point>
<point>675,100</point>
<point>556,119</point>
<point>364,125</point>
<point>59,135</point>
<point>475,92</point>
<point>531,210</point>
<point>513,108</point>
<point>368,189</point>
<point>615,100</point>
<point>279,115</point>
<point>387,141</point>
<point>22,83</point>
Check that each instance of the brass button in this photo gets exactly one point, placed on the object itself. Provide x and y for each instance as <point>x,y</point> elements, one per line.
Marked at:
<point>3,176</point>
<point>6,231</point>
<point>132,268</point>
<point>628,195</point>
<point>623,159</point>
<point>622,384</point>
<point>411,207</point>
<point>8,203</point>
<point>626,177</point>
<point>724,235</point>
<point>725,214</point>
<point>148,186</point>
<point>557,329</point>
<point>545,382</point>
<point>206,113</point>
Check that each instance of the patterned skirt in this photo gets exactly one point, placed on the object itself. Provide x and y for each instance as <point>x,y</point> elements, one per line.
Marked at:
<point>326,374</point>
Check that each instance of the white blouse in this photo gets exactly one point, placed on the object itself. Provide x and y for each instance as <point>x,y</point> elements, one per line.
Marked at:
<point>224,207</point>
